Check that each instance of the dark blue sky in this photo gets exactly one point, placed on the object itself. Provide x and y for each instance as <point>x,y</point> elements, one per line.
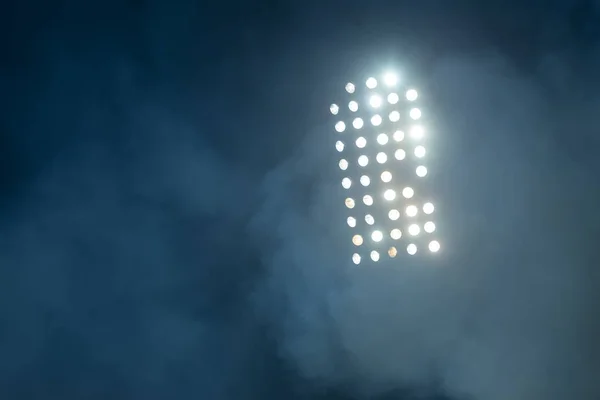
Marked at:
<point>170,222</point>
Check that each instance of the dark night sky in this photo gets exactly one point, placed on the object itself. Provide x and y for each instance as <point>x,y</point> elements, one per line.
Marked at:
<point>170,225</point>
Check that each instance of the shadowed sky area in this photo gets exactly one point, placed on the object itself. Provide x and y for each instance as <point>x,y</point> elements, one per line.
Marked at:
<point>171,223</point>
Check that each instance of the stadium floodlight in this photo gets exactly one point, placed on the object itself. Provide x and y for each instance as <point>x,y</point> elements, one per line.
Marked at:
<point>382,135</point>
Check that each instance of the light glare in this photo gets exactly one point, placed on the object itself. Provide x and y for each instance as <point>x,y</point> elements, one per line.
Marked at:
<point>346,183</point>
<point>421,171</point>
<point>374,256</point>
<point>400,154</point>
<point>390,79</point>
<point>377,236</point>
<point>428,208</point>
<point>394,215</point>
<point>396,234</point>
<point>357,240</point>
<point>386,176</point>
<point>414,229</point>
<point>376,120</point>
<point>415,113</point>
<point>389,194</point>
<point>365,180</point>
<point>353,106</point>
<point>411,95</point>
<point>411,249</point>
<point>429,227</point>
<point>334,108</point>
<point>371,83</point>
<point>381,157</point>
<point>375,101</point>
<point>358,123</point>
<point>408,192</point>
<point>411,211</point>
<point>350,202</point>
<point>350,88</point>
<point>361,142</point>
<point>394,116</point>
<point>398,136</point>
<point>351,221</point>
<point>434,246</point>
<point>339,146</point>
<point>340,126</point>
<point>368,200</point>
<point>356,258</point>
<point>393,98</point>
<point>369,219</point>
<point>420,151</point>
<point>343,164</point>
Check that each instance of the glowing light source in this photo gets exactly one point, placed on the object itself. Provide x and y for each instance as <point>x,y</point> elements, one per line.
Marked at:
<point>371,83</point>
<point>363,161</point>
<point>343,164</point>
<point>369,219</point>
<point>394,116</point>
<point>408,192</point>
<point>350,202</point>
<point>390,79</point>
<point>334,109</point>
<point>368,200</point>
<point>356,258</point>
<point>420,151</point>
<point>351,222</point>
<point>375,101</point>
<point>361,142</point>
<point>376,120</point>
<point>411,95</point>
<point>393,98</point>
<point>414,229</point>
<point>411,249</point>
<point>339,146</point>
<point>394,215</point>
<point>398,136</point>
<point>421,171</point>
<point>353,106</point>
<point>382,139</point>
<point>415,113</point>
<point>375,256</point>
<point>400,154</point>
<point>346,183</point>
<point>389,194</point>
<point>429,227</point>
<point>411,211</point>
<point>365,180</point>
<point>358,123</point>
<point>417,132</point>
<point>381,157</point>
<point>428,208</point>
<point>350,88</point>
<point>357,240</point>
<point>392,252</point>
<point>396,234</point>
<point>340,126</point>
<point>434,246</point>
<point>377,236</point>
<point>386,176</point>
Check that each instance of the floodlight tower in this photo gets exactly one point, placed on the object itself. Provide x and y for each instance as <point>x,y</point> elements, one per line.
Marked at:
<point>381,136</point>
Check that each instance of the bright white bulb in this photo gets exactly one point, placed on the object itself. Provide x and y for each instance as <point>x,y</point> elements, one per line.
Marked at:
<point>369,219</point>
<point>376,120</point>
<point>363,160</point>
<point>351,221</point>
<point>395,234</point>
<point>400,154</point>
<point>340,126</point>
<point>353,106</point>
<point>411,95</point>
<point>371,83</point>
<point>361,142</point>
<point>374,256</point>
<point>350,88</point>
<point>382,138</point>
<point>365,180</point>
<point>421,171</point>
<point>356,258</point>
<point>420,151</point>
<point>429,227</point>
<point>394,215</point>
<point>381,158</point>
<point>428,208</point>
<point>334,108</point>
<point>390,79</point>
<point>389,194</point>
<point>408,192</point>
<point>358,123</point>
<point>414,229</point>
<point>393,98</point>
<point>375,101</point>
<point>411,211</point>
<point>394,116</point>
<point>343,164</point>
<point>377,236</point>
<point>417,132</point>
<point>386,176</point>
<point>357,240</point>
<point>411,249</point>
<point>346,183</point>
<point>368,200</point>
<point>415,113</point>
<point>434,246</point>
<point>350,202</point>
<point>398,136</point>
<point>339,146</point>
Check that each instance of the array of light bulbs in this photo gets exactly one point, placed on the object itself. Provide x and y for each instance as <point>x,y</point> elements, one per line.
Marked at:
<point>381,140</point>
